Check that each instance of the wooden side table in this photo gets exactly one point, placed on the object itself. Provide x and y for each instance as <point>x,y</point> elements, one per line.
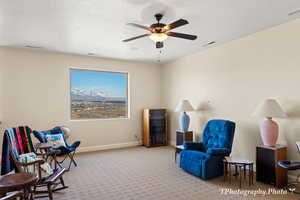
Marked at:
<point>16,182</point>
<point>182,137</point>
<point>267,169</point>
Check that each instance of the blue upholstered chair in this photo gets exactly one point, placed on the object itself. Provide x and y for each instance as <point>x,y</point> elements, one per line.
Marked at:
<point>66,151</point>
<point>205,159</point>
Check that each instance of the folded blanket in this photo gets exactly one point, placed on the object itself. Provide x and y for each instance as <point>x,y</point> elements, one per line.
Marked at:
<point>30,157</point>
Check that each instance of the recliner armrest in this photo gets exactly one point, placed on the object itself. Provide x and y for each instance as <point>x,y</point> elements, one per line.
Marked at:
<point>218,151</point>
<point>194,146</point>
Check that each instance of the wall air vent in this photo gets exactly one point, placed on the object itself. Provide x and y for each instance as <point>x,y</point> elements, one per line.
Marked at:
<point>33,47</point>
<point>294,12</point>
<point>209,43</point>
<point>90,54</point>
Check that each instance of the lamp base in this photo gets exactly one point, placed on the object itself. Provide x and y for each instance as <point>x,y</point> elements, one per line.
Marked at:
<point>184,122</point>
<point>269,132</point>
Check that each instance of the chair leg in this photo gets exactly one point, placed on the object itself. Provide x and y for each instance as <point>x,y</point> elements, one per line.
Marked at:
<point>64,158</point>
<point>62,181</point>
<point>50,191</point>
<point>72,158</point>
<point>70,163</point>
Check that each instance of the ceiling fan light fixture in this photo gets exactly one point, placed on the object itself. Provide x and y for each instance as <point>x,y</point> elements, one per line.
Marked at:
<point>158,37</point>
<point>159,32</point>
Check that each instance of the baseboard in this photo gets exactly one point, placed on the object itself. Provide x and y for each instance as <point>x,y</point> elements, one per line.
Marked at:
<point>108,146</point>
<point>291,178</point>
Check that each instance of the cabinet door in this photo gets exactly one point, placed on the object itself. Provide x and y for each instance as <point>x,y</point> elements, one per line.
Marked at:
<point>157,126</point>
<point>157,130</point>
<point>265,165</point>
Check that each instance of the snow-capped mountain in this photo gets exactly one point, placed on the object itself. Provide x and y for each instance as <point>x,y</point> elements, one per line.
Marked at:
<point>92,95</point>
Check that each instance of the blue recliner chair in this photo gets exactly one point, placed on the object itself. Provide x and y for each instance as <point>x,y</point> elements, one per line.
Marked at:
<point>66,151</point>
<point>205,159</point>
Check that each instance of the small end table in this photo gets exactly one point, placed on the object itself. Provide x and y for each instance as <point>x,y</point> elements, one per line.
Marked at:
<point>178,149</point>
<point>182,137</point>
<point>17,182</point>
<point>240,165</point>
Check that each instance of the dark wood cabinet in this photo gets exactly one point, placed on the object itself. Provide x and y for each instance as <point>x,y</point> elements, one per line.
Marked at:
<point>183,136</point>
<point>267,169</point>
<point>154,127</point>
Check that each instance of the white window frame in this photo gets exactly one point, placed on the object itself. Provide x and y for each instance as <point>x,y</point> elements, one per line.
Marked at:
<point>97,70</point>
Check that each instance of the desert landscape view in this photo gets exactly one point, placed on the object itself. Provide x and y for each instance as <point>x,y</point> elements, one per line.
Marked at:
<point>98,109</point>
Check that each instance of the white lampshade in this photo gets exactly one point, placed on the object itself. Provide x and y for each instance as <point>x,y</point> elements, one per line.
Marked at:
<point>269,108</point>
<point>184,106</point>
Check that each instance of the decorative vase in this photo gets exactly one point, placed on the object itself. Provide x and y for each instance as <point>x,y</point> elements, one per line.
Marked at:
<point>269,132</point>
<point>184,122</point>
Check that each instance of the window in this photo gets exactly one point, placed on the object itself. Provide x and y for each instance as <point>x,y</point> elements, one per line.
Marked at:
<point>98,95</point>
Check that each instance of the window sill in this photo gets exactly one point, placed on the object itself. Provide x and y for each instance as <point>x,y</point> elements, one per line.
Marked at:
<point>105,119</point>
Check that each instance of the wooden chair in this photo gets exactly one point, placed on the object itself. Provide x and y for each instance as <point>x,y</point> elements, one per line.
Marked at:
<point>51,182</point>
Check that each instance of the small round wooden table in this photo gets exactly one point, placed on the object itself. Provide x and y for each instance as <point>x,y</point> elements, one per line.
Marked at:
<point>16,182</point>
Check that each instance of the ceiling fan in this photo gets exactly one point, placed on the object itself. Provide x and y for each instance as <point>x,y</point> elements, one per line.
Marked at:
<point>160,32</point>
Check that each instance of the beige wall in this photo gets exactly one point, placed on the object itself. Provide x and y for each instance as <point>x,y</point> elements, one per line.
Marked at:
<point>222,82</point>
<point>229,81</point>
<point>36,93</point>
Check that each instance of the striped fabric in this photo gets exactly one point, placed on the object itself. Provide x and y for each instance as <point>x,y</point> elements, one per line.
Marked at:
<point>19,141</point>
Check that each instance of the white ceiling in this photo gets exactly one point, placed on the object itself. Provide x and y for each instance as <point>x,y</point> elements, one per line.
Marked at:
<point>98,26</point>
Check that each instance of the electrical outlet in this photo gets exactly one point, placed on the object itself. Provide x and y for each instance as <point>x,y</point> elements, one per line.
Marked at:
<point>136,136</point>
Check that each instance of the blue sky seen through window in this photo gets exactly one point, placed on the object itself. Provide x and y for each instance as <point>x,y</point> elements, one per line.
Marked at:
<point>111,84</point>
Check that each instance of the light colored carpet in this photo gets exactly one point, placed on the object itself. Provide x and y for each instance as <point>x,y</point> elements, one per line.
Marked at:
<point>141,173</point>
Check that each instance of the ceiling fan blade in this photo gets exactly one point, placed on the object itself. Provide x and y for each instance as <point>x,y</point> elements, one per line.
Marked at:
<point>177,24</point>
<point>140,26</point>
<point>137,37</point>
<point>159,45</point>
<point>182,35</point>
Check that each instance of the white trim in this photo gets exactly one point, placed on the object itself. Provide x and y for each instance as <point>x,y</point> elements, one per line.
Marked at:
<point>291,178</point>
<point>108,146</point>
<point>98,69</point>
<point>172,143</point>
<point>98,119</point>
<point>104,71</point>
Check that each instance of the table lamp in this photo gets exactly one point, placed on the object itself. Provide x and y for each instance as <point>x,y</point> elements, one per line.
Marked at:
<point>269,128</point>
<point>184,119</point>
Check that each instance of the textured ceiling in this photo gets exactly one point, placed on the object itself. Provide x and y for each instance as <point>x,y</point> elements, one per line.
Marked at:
<point>98,27</point>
